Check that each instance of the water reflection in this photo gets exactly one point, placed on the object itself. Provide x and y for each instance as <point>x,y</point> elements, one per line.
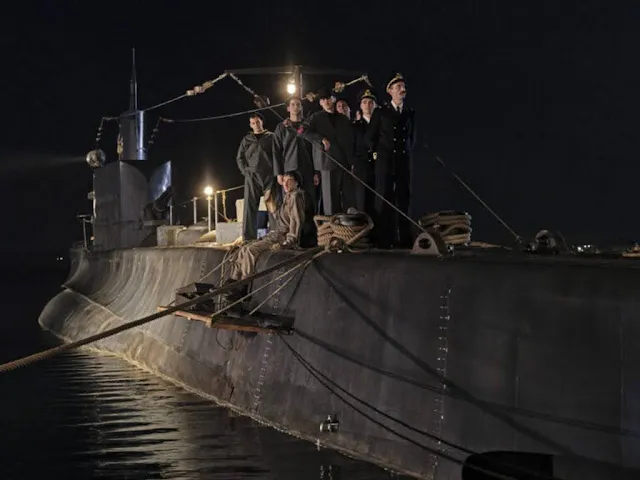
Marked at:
<point>90,416</point>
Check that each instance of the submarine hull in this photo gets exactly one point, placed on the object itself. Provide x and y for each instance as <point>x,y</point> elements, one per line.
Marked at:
<point>434,368</point>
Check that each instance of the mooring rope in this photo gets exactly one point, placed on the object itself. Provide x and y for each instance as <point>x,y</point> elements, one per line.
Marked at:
<point>51,352</point>
<point>329,228</point>
<point>314,253</point>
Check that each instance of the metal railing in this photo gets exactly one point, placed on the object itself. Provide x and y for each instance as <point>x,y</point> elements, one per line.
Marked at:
<point>85,218</point>
<point>213,197</point>
<point>90,219</point>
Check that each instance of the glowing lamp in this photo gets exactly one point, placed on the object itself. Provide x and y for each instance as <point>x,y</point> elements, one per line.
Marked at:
<point>208,191</point>
<point>291,87</point>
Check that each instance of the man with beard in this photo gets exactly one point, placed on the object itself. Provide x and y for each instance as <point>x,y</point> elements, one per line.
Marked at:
<point>332,134</point>
<point>293,153</point>
<point>391,137</point>
<point>363,168</point>
<point>255,161</point>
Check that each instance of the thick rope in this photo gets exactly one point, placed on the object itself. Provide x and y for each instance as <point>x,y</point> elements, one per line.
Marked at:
<point>330,229</point>
<point>51,352</point>
<point>313,253</point>
<point>453,227</point>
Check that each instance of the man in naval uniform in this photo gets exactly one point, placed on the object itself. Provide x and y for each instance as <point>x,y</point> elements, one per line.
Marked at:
<point>363,169</point>
<point>391,137</point>
<point>293,228</point>
<point>293,153</point>
<point>255,161</point>
<point>331,133</point>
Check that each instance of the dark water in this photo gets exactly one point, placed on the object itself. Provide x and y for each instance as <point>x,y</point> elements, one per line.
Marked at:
<point>84,415</point>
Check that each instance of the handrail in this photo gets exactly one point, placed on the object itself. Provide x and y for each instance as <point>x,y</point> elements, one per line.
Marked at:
<point>88,218</point>
<point>194,201</point>
<point>228,189</point>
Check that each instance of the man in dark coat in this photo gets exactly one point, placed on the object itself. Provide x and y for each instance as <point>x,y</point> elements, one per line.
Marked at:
<point>332,133</point>
<point>363,168</point>
<point>392,137</point>
<point>293,153</point>
<point>255,161</point>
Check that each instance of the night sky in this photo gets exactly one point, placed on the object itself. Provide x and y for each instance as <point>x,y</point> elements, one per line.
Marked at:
<point>535,107</point>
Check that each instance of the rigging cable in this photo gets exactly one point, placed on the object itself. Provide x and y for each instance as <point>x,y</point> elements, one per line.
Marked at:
<point>434,437</point>
<point>51,352</point>
<point>100,129</point>
<point>154,133</point>
<point>336,162</point>
<point>313,253</point>
<point>309,368</point>
<point>464,394</point>
<point>219,117</point>
<point>477,197</point>
<point>424,386</point>
<point>196,90</point>
<point>339,87</point>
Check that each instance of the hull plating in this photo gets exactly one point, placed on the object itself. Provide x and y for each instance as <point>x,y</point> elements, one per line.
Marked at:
<point>540,356</point>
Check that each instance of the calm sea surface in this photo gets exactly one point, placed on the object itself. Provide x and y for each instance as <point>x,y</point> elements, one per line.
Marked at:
<point>85,415</point>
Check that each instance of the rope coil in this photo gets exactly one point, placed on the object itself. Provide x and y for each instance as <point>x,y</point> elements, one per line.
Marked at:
<point>330,229</point>
<point>453,227</point>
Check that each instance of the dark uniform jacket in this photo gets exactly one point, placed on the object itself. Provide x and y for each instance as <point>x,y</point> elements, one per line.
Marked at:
<point>363,153</point>
<point>336,128</point>
<point>290,151</point>
<point>255,154</point>
<point>392,137</point>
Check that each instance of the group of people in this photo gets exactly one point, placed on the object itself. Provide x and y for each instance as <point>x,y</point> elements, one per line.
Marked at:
<point>327,158</point>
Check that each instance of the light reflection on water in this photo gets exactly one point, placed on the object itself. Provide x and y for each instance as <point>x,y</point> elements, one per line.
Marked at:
<point>84,415</point>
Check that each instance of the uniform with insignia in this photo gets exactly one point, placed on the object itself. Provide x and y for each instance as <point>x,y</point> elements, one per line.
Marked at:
<point>391,136</point>
<point>363,168</point>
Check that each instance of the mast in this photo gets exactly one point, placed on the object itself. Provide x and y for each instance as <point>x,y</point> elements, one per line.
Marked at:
<point>297,78</point>
<point>133,85</point>
<point>131,138</point>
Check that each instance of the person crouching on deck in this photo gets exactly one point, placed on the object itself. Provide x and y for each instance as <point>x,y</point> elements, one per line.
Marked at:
<point>294,229</point>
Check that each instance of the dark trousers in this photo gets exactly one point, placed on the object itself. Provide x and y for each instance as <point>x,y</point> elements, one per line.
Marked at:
<point>391,228</point>
<point>337,191</point>
<point>363,196</point>
<point>254,187</point>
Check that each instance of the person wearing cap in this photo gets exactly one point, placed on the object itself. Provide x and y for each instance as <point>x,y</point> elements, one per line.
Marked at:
<point>293,153</point>
<point>363,169</point>
<point>333,142</point>
<point>294,228</point>
<point>255,161</point>
<point>391,136</point>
